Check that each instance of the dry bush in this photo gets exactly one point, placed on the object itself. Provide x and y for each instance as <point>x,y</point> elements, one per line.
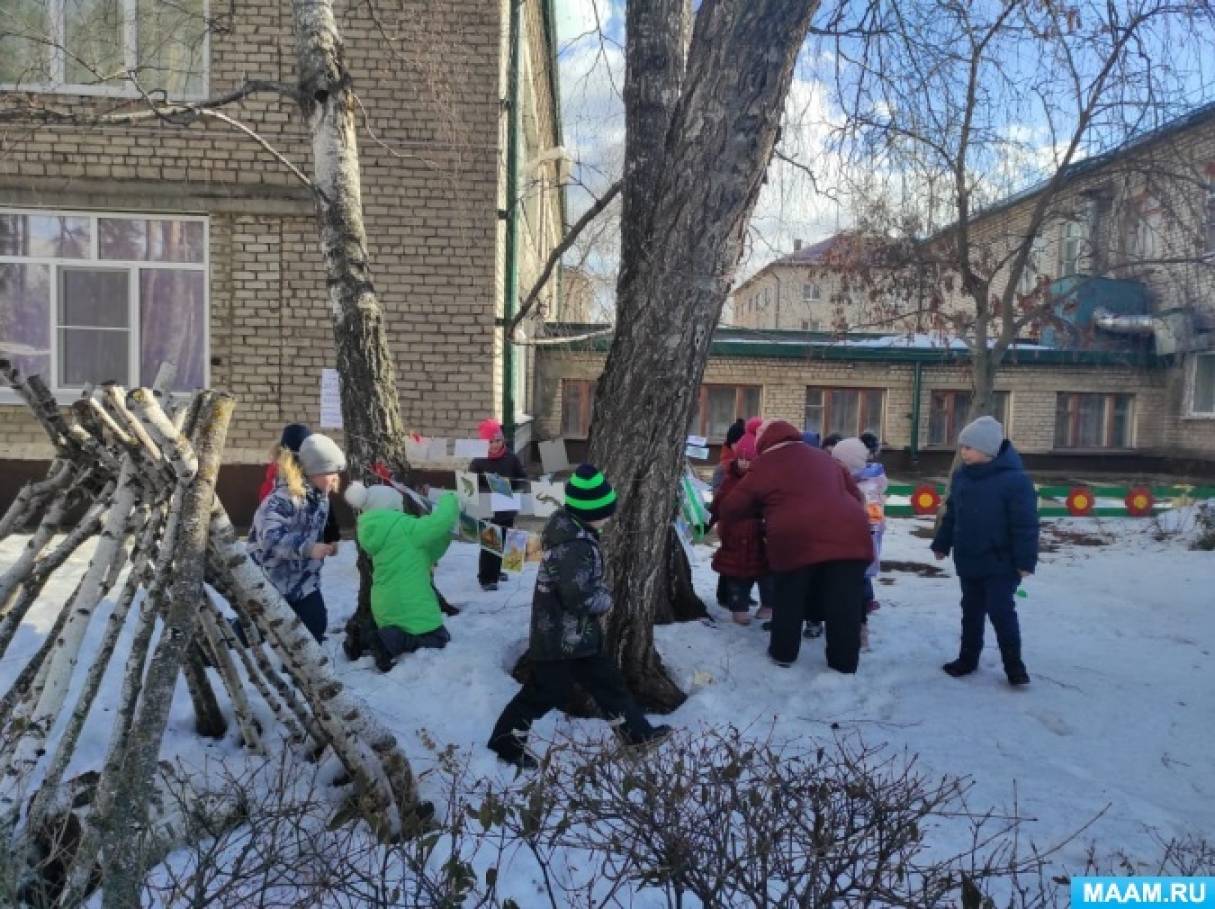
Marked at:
<point>715,818</point>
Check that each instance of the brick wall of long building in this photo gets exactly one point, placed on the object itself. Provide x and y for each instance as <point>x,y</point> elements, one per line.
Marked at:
<point>429,76</point>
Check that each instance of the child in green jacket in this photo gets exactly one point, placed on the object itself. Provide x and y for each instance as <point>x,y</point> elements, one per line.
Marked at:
<point>403,550</point>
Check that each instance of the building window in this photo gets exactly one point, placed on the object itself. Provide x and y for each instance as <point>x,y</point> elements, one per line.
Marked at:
<point>949,411</point>
<point>811,292</point>
<point>1093,420</point>
<point>1144,230</point>
<point>1033,266</point>
<point>89,47</point>
<point>1202,386</point>
<point>577,400</point>
<point>1070,247</point>
<point>720,405</point>
<point>848,411</point>
<point>94,298</point>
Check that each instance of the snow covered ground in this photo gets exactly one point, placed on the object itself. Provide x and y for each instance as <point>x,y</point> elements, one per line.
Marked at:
<point>1118,630</point>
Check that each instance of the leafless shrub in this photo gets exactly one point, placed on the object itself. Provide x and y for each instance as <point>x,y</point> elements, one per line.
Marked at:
<point>714,818</point>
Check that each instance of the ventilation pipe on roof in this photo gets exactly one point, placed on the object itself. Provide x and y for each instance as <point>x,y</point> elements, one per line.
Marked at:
<point>1124,325</point>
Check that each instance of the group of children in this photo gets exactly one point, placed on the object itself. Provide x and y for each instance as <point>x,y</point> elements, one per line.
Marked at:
<point>803,523</point>
<point>990,524</point>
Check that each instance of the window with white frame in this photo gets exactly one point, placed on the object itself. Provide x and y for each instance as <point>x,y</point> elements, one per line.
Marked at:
<point>1071,243</point>
<point>1144,231</point>
<point>1202,386</point>
<point>1033,265</point>
<point>811,291</point>
<point>105,46</point>
<point>91,298</point>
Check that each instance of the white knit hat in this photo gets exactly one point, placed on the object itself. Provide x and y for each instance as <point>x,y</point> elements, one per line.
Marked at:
<point>852,453</point>
<point>369,498</point>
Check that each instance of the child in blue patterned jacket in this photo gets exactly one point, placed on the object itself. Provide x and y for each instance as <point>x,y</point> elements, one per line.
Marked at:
<point>289,523</point>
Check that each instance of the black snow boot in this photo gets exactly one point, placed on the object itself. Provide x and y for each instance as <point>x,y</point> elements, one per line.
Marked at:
<point>963,665</point>
<point>383,660</point>
<point>1013,667</point>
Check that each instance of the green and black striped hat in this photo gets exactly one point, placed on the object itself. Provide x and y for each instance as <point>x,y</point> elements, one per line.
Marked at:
<point>588,495</point>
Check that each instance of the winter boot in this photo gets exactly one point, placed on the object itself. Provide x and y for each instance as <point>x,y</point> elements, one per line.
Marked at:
<point>520,760</point>
<point>656,736</point>
<point>489,586</point>
<point>764,612</point>
<point>383,661</point>
<point>741,618</point>
<point>350,644</point>
<point>1014,669</point>
<point>963,665</point>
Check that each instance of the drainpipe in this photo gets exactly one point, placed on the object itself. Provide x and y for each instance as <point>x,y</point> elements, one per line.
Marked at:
<point>511,283</point>
<point>917,384</point>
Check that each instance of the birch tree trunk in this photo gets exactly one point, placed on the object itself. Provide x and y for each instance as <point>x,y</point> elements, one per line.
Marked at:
<point>137,576</point>
<point>122,871</point>
<point>370,408</point>
<point>699,141</point>
<point>41,713</point>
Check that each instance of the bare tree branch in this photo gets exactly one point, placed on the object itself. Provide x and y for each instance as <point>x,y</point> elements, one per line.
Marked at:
<point>554,257</point>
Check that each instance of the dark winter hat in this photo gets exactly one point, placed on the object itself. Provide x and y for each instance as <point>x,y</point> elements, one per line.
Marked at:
<point>293,436</point>
<point>736,431</point>
<point>871,442</point>
<point>588,495</point>
<point>984,434</point>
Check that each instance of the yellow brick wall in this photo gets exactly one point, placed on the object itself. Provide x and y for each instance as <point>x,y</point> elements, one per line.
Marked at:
<point>431,151</point>
<point>1033,392</point>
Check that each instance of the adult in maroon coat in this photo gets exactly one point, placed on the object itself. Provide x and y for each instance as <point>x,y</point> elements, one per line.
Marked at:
<point>816,538</point>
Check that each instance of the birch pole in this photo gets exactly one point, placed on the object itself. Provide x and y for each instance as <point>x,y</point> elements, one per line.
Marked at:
<point>58,670</point>
<point>122,871</point>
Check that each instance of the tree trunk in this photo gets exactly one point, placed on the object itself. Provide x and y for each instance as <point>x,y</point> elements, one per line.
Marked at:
<point>32,584</point>
<point>370,407</point>
<point>683,604</point>
<point>121,868</point>
<point>46,696</point>
<point>209,720</point>
<point>100,662</point>
<point>694,163</point>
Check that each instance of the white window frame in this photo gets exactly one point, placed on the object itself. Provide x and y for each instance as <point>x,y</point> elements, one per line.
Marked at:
<point>1192,389</point>
<point>119,88</point>
<point>1033,265</point>
<point>67,394</point>
<point>1071,231</point>
<point>816,292</point>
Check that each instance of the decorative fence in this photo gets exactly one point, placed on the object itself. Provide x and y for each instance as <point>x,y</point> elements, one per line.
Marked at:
<point>1079,501</point>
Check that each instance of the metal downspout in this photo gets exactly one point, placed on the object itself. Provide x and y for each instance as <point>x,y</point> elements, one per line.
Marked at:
<point>510,290</point>
<point>916,393</point>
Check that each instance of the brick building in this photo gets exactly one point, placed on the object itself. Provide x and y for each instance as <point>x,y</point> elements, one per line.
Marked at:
<point>1126,257</point>
<point>122,245</point>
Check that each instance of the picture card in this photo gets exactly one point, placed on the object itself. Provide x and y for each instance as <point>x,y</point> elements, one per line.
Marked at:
<point>553,456</point>
<point>547,497</point>
<point>472,448</point>
<point>515,551</point>
<point>490,536</point>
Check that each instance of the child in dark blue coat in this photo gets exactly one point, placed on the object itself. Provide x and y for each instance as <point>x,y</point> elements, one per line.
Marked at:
<point>991,525</point>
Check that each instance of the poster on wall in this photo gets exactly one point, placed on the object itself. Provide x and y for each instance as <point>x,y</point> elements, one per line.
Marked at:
<point>331,399</point>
